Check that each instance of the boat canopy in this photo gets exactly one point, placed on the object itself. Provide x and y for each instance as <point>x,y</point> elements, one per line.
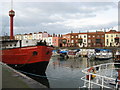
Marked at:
<point>98,50</point>
<point>63,52</point>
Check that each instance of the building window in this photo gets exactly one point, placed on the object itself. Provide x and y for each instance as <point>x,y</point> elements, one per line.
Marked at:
<point>98,40</point>
<point>84,40</point>
<point>111,40</point>
<point>84,36</point>
<point>107,43</point>
<point>111,35</point>
<point>89,36</point>
<point>93,36</point>
<point>76,36</point>
<point>102,35</point>
<point>106,35</point>
<point>89,41</point>
<point>80,36</point>
<point>98,35</point>
<point>107,40</point>
<point>93,40</point>
<point>72,41</point>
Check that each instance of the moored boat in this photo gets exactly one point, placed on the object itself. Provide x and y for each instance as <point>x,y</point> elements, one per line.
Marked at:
<point>73,53</point>
<point>30,56</point>
<point>103,54</point>
<point>117,56</point>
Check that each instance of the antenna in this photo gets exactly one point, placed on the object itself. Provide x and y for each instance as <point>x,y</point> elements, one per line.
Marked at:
<point>11,4</point>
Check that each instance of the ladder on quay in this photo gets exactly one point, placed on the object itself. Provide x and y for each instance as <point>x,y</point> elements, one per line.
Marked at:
<point>102,76</point>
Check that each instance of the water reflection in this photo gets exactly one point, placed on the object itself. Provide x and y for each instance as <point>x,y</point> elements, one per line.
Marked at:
<point>118,73</point>
<point>66,73</point>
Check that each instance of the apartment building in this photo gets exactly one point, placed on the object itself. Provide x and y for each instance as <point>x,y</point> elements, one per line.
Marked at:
<point>88,39</point>
<point>74,40</point>
<point>66,40</point>
<point>96,39</point>
<point>19,37</point>
<point>82,39</point>
<point>37,36</point>
<point>112,38</point>
<point>57,40</point>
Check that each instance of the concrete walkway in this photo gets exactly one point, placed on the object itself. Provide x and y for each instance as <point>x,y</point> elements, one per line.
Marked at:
<point>13,79</point>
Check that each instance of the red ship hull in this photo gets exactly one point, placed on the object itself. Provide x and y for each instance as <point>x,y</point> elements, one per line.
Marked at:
<point>33,59</point>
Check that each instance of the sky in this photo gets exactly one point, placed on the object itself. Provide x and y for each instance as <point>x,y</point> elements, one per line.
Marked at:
<point>60,17</point>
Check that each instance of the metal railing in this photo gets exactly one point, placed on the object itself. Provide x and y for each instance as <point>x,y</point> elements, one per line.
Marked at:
<point>104,76</point>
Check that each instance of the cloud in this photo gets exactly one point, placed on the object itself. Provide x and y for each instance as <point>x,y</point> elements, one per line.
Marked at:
<point>60,17</point>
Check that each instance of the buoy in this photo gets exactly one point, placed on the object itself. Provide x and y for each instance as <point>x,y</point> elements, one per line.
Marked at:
<point>91,76</point>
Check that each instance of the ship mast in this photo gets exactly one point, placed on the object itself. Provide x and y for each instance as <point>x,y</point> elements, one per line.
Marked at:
<point>11,14</point>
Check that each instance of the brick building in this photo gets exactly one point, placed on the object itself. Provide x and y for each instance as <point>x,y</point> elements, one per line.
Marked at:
<point>96,39</point>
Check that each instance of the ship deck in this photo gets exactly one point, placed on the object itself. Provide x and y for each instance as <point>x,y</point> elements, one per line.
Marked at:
<point>105,76</point>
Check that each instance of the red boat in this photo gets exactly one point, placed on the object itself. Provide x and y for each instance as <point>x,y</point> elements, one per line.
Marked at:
<point>30,56</point>
<point>26,58</point>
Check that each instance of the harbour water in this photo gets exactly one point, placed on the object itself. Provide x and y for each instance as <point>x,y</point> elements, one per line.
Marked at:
<point>67,73</point>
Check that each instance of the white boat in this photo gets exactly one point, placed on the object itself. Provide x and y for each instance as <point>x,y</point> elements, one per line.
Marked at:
<point>103,54</point>
<point>73,54</point>
<point>91,53</point>
<point>83,52</point>
<point>102,76</point>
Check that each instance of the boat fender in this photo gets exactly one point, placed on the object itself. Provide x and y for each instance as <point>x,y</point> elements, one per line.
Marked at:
<point>92,76</point>
<point>35,53</point>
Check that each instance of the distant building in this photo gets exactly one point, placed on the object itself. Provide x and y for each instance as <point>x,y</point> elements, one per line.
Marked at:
<point>57,40</point>
<point>88,39</point>
<point>82,40</point>
<point>50,40</point>
<point>74,40</point>
<point>66,40</point>
<point>96,39</point>
<point>112,38</point>
<point>19,37</point>
<point>25,36</point>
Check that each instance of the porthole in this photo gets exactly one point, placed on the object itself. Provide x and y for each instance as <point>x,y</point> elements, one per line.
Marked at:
<point>35,53</point>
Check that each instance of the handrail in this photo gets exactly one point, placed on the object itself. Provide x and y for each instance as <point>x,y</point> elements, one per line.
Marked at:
<point>99,76</point>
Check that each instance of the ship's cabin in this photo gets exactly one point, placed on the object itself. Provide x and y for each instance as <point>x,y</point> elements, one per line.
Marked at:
<point>7,44</point>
